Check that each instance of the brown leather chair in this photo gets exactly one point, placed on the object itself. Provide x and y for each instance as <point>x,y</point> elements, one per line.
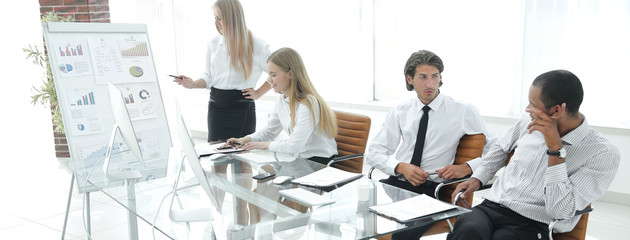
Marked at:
<point>470,147</point>
<point>352,136</point>
<point>579,231</point>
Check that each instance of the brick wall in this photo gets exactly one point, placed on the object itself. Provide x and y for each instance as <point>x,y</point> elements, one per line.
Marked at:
<point>81,11</point>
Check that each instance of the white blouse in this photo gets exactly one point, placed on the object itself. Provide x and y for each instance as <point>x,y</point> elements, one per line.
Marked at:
<point>220,74</point>
<point>304,139</point>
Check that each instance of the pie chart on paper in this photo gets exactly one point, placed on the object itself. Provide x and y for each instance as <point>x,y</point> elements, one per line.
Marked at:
<point>144,94</point>
<point>65,68</point>
<point>136,71</point>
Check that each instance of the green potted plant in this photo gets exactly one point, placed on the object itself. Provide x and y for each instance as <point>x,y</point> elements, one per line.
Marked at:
<point>46,94</point>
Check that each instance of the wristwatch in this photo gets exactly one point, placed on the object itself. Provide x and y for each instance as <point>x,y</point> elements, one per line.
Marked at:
<point>562,153</point>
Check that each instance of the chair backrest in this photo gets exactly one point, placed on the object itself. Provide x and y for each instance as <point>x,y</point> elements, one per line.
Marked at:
<point>352,136</point>
<point>469,148</point>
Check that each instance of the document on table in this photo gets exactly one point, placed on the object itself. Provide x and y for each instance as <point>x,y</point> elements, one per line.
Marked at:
<point>205,149</point>
<point>327,177</point>
<point>306,197</point>
<point>412,208</point>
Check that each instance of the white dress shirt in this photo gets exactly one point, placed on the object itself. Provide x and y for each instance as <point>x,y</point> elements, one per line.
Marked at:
<point>449,120</point>
<point>305,140</point>
<point>534,190</point>
<point>220,74</point>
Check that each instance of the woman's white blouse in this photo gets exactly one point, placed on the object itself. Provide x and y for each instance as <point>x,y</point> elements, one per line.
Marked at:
<point>304,139</point>
<point>220,74</point>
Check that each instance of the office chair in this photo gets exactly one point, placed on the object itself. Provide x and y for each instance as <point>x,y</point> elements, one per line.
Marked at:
<point>352,136</point>
<point>470,147</point>
<point>578,232</point>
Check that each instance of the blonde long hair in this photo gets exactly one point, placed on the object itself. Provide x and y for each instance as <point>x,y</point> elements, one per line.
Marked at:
<point>302,89</point>
<point>239,40</point>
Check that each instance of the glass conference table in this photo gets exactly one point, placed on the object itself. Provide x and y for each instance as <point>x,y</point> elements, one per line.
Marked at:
<point>243,208</point>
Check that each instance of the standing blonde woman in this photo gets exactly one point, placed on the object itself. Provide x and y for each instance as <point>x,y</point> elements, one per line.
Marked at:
<point>300,111</point>
<point>234,62</point>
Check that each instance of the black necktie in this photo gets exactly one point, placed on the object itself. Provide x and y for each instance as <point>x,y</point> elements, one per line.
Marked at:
<point>422,132</point>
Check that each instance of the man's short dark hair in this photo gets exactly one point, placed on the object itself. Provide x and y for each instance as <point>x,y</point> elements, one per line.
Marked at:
<point>422,57</point>
<point>560,86</point>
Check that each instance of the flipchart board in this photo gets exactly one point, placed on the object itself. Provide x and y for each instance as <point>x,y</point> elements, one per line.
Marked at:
<point>84,58</point>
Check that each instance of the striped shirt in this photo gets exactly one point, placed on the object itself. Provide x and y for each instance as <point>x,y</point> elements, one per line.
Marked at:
<point>534,190</point>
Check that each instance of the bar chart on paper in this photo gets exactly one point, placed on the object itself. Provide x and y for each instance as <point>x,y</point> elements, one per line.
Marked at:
<point>87,99</point>
<point>68,50</point>
<point>133,49</point>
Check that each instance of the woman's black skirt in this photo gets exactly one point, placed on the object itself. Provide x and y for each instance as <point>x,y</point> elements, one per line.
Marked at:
<point>230,114</point>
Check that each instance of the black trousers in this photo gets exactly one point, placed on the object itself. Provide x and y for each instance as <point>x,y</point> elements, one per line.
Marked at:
<point>427,188</point>
<point>490,220</point>
<point>230,114</point>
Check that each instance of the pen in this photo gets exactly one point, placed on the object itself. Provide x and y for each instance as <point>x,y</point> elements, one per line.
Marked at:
<point>433,173</point>
<point>173,76</point>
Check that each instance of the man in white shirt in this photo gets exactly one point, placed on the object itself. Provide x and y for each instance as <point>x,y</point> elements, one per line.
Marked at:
<point>560,165</point>
<point>394,150</point>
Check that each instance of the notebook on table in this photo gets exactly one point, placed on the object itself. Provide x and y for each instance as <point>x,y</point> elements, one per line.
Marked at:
<point>327,177</point>
<point>412,208</point>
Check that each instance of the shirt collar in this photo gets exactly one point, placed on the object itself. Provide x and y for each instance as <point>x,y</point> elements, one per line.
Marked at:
<point>577,134</point>
<point>435,104</point>
<point>221,40</point>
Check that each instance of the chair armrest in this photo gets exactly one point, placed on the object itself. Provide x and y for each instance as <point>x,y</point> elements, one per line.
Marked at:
<point>343,158</point>
<point>449,182</point>
<point>577,213</point>
<point>370,172</point>
<point>462,191</point>
<point>583,211</point>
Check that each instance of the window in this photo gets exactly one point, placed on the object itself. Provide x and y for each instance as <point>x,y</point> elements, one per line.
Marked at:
<point>590,39</point>
<point>480,48</point>
<point>355,50</point>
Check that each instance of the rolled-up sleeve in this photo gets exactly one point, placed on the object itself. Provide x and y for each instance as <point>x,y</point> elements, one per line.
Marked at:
<point>384,145</point>
<point>207,74</point>
<point>497,154</point>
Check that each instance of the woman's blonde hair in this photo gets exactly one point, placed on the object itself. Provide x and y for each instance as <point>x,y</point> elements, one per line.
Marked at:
<point>239,40</point>
<point>302,89</point>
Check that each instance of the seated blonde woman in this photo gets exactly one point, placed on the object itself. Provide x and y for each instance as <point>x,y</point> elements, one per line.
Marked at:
<point>300,111</point>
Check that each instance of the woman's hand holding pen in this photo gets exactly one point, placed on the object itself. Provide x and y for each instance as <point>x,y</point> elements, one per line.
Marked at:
<point>237,142</point>
<point>184,81</point>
